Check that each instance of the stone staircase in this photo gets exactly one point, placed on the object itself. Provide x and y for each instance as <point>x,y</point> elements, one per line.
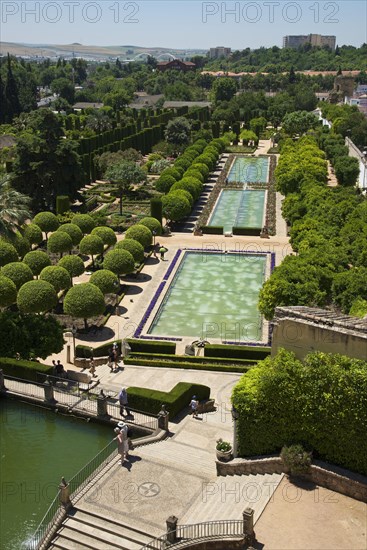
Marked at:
<point>84,530</point>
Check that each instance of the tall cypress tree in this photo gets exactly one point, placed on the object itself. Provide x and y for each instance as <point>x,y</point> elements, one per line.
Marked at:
<point>2,101</point>
<point>11,95</point>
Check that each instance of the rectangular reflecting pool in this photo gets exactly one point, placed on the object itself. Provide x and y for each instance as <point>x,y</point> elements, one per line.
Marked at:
<point>239,208</point>
<point>249,170</point>
<point>213,296</point>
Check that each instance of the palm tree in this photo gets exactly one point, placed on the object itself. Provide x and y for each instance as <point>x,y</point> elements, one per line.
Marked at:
<point>14,209</point>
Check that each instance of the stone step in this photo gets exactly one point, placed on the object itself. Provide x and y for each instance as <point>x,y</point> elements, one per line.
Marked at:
<point>109,525</point>
<point>227,498</point>
<point>67,539</point>
<point>97,538</point>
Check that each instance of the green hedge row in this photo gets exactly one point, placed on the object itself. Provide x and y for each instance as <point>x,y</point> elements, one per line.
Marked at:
<point>237,352</point>
<point>320,403</point>
<point>100,351</point>
<point>152,346</point>
<point>212,230</point>
<point>150,401</point>
<point>27,370</point>
<point>190,358</point>
<point>186,365</point>
<point>252,231</point>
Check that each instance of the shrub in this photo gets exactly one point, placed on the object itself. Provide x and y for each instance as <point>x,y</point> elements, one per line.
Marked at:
<point>36,297</point>
<point>33,233</point>
<point>73,264</point>
<point>202,168</point>
<point>8,292</point>
<point>164,183</point>
<point>20,243</point>
<point>7,253</point>
<point>175,207</point>
<point>212,230</point>
<point>296,459</point>
<point>236,352</point>
<point>253,231</point>
<point>46,221</point>
<point>176,173</point>
<point>99,351</point>
<point>321,402</point>
<point>152,224</point>
<point>134,247</point>
<point>107,235</point>
<point>26,370</point>
<point>91,245</point>
<point>145,346</point>
<point>37,260</point>
<point>57,276</point>
<point>85,222</point>
<point>84,301</point>
<point>74,232</point>
<point>190,184</point>
<point>192,173</point>
<point>19,272</point>
<point>150,401</point>
<point>62,204</point>
<point>140,233</point>
<point>119,261</point>
<point>156,209</point>
<point>59,242</point>
<point>106,281</point>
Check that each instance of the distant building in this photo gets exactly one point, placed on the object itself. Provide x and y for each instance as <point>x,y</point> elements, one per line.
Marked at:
<point>294,41</point>
<point>176,65</point>
<point>219,51</point>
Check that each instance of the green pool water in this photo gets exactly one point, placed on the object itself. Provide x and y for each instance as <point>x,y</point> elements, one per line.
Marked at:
<point>37,448</point>
<point>213,296</point>
<point>249,170</point>
<point>239,208</point>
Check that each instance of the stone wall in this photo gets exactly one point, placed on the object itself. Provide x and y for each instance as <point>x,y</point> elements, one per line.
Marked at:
<point>304,330</point>
<point>332,477</point>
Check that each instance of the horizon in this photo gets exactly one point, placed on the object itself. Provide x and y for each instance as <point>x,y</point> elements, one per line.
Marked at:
<point>185,25</point>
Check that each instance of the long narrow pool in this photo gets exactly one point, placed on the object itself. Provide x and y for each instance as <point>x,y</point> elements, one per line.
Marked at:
<point>38,447</point>
<point>239,208</point>
<point>213,295</point>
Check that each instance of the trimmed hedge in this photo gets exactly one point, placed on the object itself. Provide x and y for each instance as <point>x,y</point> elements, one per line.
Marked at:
<point>190,358</point>
<point>151,346</point>
<point>212,230</point>
<point>183,365</point>
<point>100,351</point>
<point>26,370</point>
<point>256,353</point>
<point>252,231</point>
<point>150,401</point>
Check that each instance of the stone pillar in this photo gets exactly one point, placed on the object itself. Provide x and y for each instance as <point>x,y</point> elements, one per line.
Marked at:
<point>101,404</point>
<point>65,494</point>
<point>248,526</point>
<point>163,417</point>
<point>68,355</point>
<point>2,381</point>
<point>171,529</point>
<point>49,391</point>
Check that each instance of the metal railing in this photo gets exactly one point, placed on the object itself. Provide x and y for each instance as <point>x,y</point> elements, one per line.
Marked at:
<point>25,387</point>
<point>48,521</point>
<point>185,533</point>
<point>138,418</point>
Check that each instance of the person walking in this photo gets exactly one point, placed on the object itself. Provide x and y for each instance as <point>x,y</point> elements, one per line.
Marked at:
<point>194,405</point>
<point>122,444</point>
<point>123,400</point>
<point>111,358</point>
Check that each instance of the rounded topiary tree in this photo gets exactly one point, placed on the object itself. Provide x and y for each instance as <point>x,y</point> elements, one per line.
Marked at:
<point>36,297</point>
<point>85,222</point>
<point>7,253</point>
<point>164,183</point>
<point>152,224</point>
<point>193,186</point>
<point>73,265</point>
<point>74,232</point>
<point>134,247</point>
<point>21,244</point>
<point>19,272</point>
<point>37,260</point>
<point>8,292</point>
<point>59,242</point>
<point>119,261</point>
<point>175,207</point>
<point>84,301</point>
<point>58,276</point>
<point>182,193</point>
<point>33,233</point>
<point>91,245</point>
<point>202,168</point>
<point>46,221</point>
<point>140,233</point>
<point>106,280</point>
<point>107,235</point>
<point>192,173</point>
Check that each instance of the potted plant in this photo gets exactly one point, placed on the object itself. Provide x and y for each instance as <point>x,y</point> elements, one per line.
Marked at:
<point>224,450</point>
<point>296,459</point>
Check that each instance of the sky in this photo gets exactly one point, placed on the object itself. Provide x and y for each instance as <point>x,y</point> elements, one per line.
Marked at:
<point>189,24</point>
